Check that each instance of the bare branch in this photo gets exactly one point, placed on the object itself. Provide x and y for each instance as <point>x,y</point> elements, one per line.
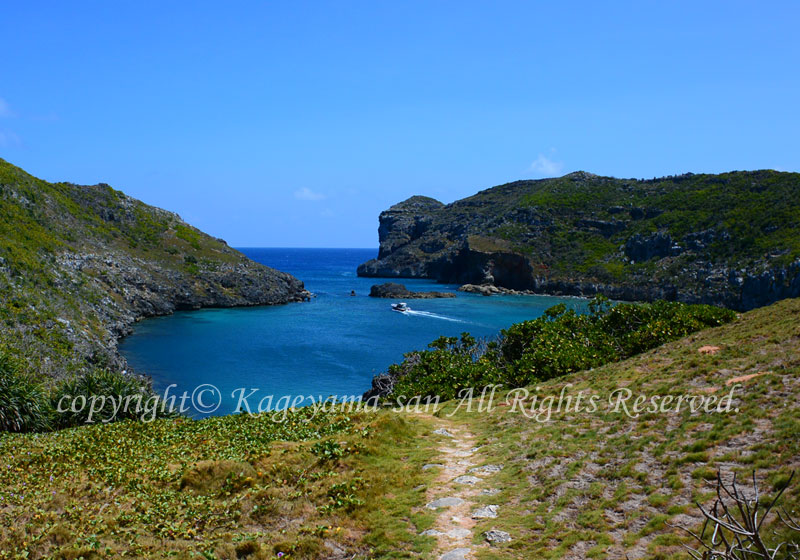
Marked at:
<point>737,522</point>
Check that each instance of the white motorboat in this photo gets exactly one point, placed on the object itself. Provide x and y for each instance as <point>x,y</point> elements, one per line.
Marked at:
<point>401,307</point>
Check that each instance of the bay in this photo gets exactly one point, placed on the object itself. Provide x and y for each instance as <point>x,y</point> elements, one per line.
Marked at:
<point>332,345</point>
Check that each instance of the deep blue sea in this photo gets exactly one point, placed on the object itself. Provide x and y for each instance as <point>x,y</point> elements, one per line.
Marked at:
<point>332,345</point>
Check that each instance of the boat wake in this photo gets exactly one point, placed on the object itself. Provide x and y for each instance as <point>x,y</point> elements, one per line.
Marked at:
<point>432,315</point>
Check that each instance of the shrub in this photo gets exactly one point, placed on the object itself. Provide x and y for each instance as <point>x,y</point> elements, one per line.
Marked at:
<point>559,342</point>
<point>449,366</point>
<point>745,525</point>
<point>97,384</point>
<point>23,406</point>
<point>562,341</point>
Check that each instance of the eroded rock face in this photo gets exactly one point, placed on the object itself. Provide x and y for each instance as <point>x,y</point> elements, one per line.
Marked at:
<point>770,286</point>
<point>625,239</point>
<point>643,248</point>
<point>130,288</point>
<point>404,222</point>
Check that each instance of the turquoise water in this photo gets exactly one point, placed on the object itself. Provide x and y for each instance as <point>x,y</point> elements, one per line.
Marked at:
<point>330,346</point>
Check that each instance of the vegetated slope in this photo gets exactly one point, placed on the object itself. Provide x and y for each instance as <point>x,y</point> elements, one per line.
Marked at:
<point>333,484</point>
<point>606,485</point>
<point>79,264</point>
<point>313,485</point>
<point>731,239</point>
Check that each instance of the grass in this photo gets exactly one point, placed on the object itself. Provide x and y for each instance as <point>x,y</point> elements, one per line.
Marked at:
<point>606,485</point>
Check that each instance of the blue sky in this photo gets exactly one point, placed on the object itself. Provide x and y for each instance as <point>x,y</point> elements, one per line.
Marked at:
<point>296,123</point>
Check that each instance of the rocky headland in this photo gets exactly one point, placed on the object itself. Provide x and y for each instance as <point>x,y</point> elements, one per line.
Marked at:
<point>731,239</point>
<point>392,290</point>
<point>80,264</point>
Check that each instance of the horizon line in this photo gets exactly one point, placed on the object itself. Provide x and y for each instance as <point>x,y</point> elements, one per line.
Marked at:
<point>278,247</point>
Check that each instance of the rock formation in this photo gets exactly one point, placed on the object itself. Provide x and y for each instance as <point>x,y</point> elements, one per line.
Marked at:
<point>393,290</point>
<point>731,239</point>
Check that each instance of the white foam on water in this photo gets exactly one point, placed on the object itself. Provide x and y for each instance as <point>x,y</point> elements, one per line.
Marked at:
<point>432,315</point>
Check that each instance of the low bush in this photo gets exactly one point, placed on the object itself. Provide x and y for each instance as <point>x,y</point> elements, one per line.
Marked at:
<point>450,365</point>
<point>23,403</point>
<point>93,386</point>
<point>26,405</point>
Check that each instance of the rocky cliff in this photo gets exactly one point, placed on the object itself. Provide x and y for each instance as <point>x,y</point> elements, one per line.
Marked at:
<point>80,264</point>
<point>731,239</point>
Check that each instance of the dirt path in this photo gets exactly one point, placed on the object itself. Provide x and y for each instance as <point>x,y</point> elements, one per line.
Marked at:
<point>453,491</point>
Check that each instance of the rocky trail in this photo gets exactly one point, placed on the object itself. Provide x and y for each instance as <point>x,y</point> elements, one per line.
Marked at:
<point>462,476</point>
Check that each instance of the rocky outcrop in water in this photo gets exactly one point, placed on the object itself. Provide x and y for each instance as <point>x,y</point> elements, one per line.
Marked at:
<point>728,239</point>
<point>392,290</point>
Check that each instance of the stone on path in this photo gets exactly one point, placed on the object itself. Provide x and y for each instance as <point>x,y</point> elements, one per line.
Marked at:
<point>444,502</point>
<point>463,453</point>
<point>490,491</point>
<point>486,512</point>
<point>459,533</point>
<point>456,554</point>
<point>466,479</point>
<point>431,466</point>
<point>487,469</point>
<point>443,432</point>
<point>495,536</point>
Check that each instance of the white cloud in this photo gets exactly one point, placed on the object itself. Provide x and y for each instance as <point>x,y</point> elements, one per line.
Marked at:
<point>307,194</point>
<point>5,108</point>
<point>546,167</point>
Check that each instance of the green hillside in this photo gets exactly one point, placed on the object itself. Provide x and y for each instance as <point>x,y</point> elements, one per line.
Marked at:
<point>80,264</point>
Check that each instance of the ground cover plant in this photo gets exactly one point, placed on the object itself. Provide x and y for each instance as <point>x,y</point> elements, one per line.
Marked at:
<point>317,484</point>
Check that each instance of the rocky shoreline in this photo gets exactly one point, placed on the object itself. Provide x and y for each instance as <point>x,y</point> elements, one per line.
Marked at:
<point>392,290</point>
<point>151,290</point>
<point>84,263</point>
<point>492,290</point>
<point>523,238</point>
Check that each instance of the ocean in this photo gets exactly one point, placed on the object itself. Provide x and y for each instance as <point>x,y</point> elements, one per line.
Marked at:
<point>332,345</point>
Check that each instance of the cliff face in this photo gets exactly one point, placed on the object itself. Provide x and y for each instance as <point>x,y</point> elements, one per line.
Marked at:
<point>80,264</point>
<point>731,239</point>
